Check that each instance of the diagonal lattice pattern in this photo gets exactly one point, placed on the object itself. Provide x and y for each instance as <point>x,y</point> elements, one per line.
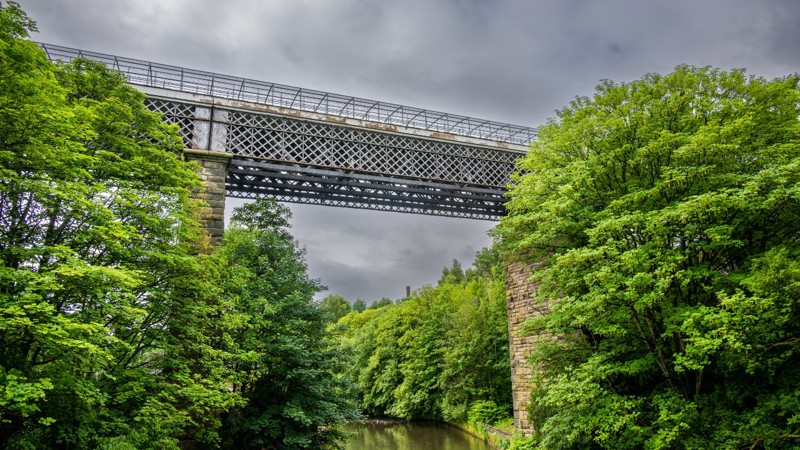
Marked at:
<point>328,159</point>
<point>303,161</point>
<point>331,162</point>
<point>293,140</point>
<point>178,113</point>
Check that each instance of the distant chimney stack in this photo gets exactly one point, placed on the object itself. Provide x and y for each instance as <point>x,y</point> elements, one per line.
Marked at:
<point>408,291</point>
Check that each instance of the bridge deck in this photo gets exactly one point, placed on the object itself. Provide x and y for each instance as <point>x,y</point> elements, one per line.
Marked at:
<point>306,146</point>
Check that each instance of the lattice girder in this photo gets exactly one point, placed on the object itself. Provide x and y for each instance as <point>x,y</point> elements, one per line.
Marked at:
<point>295,140</point>
<point>303,161</point>
<point>307,146</point>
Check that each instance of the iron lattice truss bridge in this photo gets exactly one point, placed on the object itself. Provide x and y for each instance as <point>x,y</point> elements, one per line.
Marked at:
<point>306,146</point>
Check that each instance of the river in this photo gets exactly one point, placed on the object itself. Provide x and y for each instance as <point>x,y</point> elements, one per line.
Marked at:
<point>388,435</point>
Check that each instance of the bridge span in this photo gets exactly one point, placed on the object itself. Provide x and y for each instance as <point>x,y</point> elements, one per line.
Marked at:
<point>306,146</point>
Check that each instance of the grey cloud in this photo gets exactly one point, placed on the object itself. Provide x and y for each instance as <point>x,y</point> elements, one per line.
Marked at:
<point>785,34</point>
<point>365,254</point>
<point>369,255</point>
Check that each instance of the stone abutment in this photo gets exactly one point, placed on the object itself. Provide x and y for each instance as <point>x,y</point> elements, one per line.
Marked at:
<point>521,304</point>
<point>213,170</point>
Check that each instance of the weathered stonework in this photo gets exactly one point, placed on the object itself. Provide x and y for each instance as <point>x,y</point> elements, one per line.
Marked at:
<point>521,305</point>
<point>213,169</point>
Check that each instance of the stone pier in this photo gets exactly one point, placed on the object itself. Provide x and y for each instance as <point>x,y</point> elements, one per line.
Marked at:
<point>521,305</point>
<point>213,169</point>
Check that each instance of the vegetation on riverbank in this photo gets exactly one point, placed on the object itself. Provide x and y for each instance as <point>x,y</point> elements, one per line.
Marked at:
<point>117,330</point>
<point>666,215</point>
<point>440,354</point>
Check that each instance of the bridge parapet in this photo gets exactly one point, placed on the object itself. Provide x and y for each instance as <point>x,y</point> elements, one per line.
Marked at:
<point>249,131</point>
<point>146,73</point>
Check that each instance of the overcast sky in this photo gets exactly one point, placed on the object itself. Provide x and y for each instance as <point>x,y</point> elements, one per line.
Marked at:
<point>515,61</point>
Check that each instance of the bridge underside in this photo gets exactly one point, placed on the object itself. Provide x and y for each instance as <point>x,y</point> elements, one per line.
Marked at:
<point>250,178</point>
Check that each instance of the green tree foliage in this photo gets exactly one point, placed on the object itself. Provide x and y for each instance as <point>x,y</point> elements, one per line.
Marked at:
<point>452,274</point>
<point>116,331</point>
<point>288,367</point>
<point>335,307</point>
<point>381,303</point>
<point>434,354</point>
<point>98,286</point>
<point>359,305</point>
<point>666,212</point>
<point>488,262</point>
<point>486,411</point>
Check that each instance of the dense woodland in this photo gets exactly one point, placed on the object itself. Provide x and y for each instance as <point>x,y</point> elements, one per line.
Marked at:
<point>663,215</point>
<point>440,354</point>
<point>119,327</point>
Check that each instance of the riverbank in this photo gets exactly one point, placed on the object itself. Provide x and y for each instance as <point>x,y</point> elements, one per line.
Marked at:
<point>495,437</point>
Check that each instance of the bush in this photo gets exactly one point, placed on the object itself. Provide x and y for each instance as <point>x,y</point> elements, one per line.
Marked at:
<point>486,411</point>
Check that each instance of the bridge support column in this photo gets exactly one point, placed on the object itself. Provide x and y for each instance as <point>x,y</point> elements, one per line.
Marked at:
<point>213,170</point>
<point>521,305</point>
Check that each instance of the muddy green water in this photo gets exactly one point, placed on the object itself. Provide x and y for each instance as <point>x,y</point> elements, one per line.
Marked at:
<point>382,435</point>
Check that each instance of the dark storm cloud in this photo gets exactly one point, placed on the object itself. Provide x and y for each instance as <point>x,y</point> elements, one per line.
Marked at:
<point>784,36</point>
<point>507,60</point>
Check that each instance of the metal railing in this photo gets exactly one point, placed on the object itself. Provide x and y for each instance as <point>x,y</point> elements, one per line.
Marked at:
<point>165,76</point>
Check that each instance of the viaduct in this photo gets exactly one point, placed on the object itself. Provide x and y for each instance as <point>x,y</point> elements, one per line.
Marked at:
<point>256,139</point>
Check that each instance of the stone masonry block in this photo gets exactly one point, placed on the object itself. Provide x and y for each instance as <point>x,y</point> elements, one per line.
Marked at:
<point>213,170</point>
<point>521,305</point>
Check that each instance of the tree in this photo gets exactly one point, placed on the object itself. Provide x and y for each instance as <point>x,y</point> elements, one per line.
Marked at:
<point>477,364</point>
<point>453,274</point>
<point>381,303</point>
<point>487,260</point>
<point>666,215</point>
<point>288,366</point>
<point>335,307</point>
<point>116,330</point>
<point>359,305</point>
<point>99,285</point>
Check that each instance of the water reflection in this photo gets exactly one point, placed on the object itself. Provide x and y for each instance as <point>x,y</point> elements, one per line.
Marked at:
<point>387,435</point>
